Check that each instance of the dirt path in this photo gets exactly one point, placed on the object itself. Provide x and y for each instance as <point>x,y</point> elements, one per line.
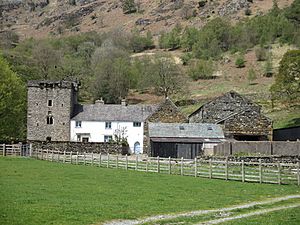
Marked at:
<point>201,212</point>
<point>258,212</point>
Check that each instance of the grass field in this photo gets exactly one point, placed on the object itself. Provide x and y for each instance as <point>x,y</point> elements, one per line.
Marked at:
<point>39,192</point>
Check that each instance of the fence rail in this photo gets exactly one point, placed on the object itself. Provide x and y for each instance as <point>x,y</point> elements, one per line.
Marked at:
<point>260,172</point>
<point>14,150</point>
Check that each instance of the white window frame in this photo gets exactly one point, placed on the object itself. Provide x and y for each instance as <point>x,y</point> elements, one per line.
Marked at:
<point>107,125</point>
<point>107,138</point>
<point>78,124</point>
<point>137,124</point>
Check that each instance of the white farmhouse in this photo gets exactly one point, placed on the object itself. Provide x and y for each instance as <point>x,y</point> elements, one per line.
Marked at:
<point>101,122</point>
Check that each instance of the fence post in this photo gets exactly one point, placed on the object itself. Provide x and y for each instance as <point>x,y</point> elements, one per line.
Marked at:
<point>226,168</point>
<point>64,157</point>
<point>260,171</point>
<point>47,154</point>
<point>58,156</point>
<point>77,158</point>
<point>71,153</point>
<point>4,150</point>
<point>196,172</point>
<point>117,162</point>
<point>158,166</point>
<point>298,173</point>
<point>210,168</point>
<point>92,158</point>
<point>100,159</point>
<point>30,149</point>
<point>136,162</point>
<point>126,162</point>
<point>169,164</point>
<point>107,160</point>
<point>52,155</point>
<point>83,158</point>
<point>181,167</point>
<point>243,171</point>
<point>42,154</point>
<point>279,173</point>
<point>147,164</point>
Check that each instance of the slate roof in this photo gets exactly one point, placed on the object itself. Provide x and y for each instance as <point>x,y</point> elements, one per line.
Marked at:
<point>185,130</point>
<point>113,112</point>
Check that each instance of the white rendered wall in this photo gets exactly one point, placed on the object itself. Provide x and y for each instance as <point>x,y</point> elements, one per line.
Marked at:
<point>96,131</point>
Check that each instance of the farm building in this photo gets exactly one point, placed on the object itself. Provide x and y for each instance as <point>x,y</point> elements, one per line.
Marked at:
<point>187,140</point>
<point>240,118</point>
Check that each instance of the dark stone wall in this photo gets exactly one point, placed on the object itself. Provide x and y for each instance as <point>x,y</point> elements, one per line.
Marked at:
<point>110,148</point>
<point>63,95</point>
<point>267,148</point>
<point>287,134</point>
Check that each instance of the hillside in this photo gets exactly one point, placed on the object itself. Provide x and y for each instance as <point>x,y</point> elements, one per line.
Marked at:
<point>40,18</point>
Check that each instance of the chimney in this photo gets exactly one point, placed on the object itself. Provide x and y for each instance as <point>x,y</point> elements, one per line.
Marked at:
<point>99,102</point>
<point>124,102</point>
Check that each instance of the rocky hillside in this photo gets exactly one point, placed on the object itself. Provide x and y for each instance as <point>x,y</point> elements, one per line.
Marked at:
<point>40,18</point>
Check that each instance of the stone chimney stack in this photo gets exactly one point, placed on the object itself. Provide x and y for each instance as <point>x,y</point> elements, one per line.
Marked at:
<point>124,102</point>
<point>99,102</point>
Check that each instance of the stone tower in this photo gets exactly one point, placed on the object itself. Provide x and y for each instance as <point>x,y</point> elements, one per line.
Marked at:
<point>51,105</point>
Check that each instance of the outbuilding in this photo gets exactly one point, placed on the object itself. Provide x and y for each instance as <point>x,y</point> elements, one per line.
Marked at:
<point>187,140</point>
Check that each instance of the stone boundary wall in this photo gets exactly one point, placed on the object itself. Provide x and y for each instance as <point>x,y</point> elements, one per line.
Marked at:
<point>264,148</point>
<point>99,147</point>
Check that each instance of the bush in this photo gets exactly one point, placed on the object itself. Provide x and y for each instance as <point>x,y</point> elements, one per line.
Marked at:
<point>248,11</point>
<point>202,69</point>
<point>261,54</point>
<point>240,62</point>
<point>129,6</point>
<point>251,75</point>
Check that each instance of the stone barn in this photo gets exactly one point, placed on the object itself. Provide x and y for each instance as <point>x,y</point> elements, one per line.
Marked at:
<point>240,118</point>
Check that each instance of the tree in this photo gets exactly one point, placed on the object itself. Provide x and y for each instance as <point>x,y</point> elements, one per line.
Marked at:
<point>12,104</point>
<point>287,80</point>
<point>129,6</point>
<point>167,77</point>
<point>112,75</point>
<point>202,69</point>
<point>251,75</point>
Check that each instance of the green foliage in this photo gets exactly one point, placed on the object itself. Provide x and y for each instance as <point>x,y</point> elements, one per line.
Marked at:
<point>170,40</point>
<point>261,54</point>
<point>287,81</point>
<point>251,75</point>
<point>268,66</point>
<point>240,61</point>
<point>140,43</point>
<point>12,104</point>
<point>129,6</point>
<point>202,69</point>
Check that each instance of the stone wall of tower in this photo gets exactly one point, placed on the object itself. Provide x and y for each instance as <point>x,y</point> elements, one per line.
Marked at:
<point>62,94</point>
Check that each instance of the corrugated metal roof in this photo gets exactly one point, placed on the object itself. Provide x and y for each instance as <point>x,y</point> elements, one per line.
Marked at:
<point>109,112</point>
<point>185,130</point>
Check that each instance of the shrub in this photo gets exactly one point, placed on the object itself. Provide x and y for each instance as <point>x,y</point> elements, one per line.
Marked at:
<point>202,69</point>
<point>251,75</point>
<point>261,54</point>
<point>129,6</point>
<point>240,62</point>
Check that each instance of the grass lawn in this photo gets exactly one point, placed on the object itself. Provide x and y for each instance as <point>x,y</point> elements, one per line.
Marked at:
<point>39,192</point>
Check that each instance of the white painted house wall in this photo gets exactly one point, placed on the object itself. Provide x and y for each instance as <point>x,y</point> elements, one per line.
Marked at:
<point>95,131</point>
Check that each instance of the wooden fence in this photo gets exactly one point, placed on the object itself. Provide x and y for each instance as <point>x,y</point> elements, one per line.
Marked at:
<point>260,172</point>
<point>14,150</point>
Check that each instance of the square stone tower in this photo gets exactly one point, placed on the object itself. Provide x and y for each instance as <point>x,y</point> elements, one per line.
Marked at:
<point>51,105</point>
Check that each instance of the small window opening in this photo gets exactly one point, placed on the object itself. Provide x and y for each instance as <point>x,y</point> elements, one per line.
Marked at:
<point>49,119</point>
<point>181,127</point>
<point>50,103</point>
<point>209,128</point>
<point>48,139</point>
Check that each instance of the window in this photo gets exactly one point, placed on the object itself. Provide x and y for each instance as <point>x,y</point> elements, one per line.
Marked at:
<point>107,138</point>
<point>78,124</point>
<point>50,103</point>
<point>49,119</point>
<point>85,139</point>
<point>107,125</point>
<point>137,124</point>
<point>48,139</point>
